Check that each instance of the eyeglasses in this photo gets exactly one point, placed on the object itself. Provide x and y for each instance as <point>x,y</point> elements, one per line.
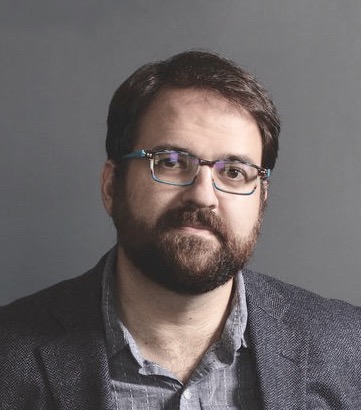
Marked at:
<point>181,169</point>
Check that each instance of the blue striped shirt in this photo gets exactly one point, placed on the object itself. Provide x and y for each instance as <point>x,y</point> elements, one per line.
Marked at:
<point>224,379</point>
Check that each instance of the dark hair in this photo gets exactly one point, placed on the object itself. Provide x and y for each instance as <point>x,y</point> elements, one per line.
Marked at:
<point>191,69</point>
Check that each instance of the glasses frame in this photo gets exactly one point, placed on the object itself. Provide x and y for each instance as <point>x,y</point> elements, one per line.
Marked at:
<point>263,173</point>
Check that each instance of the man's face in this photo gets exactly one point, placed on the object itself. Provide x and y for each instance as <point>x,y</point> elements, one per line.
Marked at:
<point>189,239</point>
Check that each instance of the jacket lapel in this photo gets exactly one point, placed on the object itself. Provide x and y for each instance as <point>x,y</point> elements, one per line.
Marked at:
<point>74,359</point>
<point>279,347</point>
<point>77,372</point>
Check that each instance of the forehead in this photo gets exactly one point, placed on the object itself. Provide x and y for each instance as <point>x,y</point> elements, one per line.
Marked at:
<point>199,121</point>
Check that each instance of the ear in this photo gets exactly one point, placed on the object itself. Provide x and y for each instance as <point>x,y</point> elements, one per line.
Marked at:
<point>107,186</point>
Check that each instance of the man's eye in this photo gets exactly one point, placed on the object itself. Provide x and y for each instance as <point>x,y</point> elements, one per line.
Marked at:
<point>234,173</point>
<point>171,163</point>
<point>168,163</point>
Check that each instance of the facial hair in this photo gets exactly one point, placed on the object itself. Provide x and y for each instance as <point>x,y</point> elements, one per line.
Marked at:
<point>182,262</point>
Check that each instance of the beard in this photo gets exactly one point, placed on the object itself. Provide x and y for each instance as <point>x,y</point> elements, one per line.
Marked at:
<point>180,261</point>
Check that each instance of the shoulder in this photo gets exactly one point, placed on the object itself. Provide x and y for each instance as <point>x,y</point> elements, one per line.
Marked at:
<point>264,289</point>
<point>58,318</point>
<point>47,312</point>
<point>299,323</point>
<point>333,327</point>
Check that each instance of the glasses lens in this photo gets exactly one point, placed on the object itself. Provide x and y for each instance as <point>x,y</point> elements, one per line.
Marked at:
<point>172,167</point>
<point>235,177</point>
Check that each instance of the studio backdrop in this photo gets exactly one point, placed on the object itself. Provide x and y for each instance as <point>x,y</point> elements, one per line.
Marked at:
<point>62,61</point>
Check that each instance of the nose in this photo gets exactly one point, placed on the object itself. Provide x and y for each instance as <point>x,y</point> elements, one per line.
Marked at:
<point>201,193</point>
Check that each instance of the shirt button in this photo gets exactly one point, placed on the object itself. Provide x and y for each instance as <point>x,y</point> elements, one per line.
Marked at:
<point>187,394</point>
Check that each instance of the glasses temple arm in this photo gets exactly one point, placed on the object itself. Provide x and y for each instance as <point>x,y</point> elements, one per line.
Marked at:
<point>137,154</point>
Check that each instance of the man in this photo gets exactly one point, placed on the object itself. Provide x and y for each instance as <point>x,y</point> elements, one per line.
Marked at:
<point>170,318</point>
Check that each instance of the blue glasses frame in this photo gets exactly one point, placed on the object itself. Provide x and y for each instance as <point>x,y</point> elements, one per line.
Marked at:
<point>263,173</point>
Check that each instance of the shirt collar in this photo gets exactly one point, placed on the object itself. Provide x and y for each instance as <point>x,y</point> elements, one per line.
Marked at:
<point>117,335</point>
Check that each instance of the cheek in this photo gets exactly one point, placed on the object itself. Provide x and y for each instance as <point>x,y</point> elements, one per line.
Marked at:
<point>242,215</point>
<point>149,200</point>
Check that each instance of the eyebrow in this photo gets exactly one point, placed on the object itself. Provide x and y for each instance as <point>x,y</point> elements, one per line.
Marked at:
<point>168,147</point>
<point>226,157</point>
<point>242,158</point>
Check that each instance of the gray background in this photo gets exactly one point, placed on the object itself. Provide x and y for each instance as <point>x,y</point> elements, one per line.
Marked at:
<point>61,62</point>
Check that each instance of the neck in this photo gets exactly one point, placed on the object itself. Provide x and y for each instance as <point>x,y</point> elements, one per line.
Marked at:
<point>163,323</point>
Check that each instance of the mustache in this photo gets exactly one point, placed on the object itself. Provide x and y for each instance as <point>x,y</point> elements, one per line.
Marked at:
<point>188,216</point>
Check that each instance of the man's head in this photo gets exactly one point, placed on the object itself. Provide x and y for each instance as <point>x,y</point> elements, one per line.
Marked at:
<point>191,69</point>
<point>193,237</point>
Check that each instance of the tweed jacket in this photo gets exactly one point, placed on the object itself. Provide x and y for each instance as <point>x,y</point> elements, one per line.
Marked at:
<point>52,348</point>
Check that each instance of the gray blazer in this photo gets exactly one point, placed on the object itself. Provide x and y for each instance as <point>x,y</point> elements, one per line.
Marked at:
<point>52,349</point>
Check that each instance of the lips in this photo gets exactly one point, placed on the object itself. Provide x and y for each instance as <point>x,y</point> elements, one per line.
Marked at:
<point>197,229</point>
<point>197,226</point>
<point>190,223</point>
